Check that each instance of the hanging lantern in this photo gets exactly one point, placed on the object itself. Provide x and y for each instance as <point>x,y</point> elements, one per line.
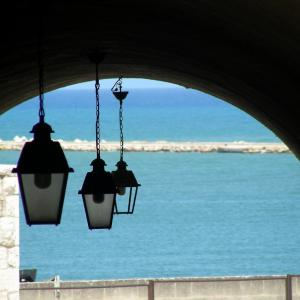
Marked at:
<point>42,170</point>
<point>98,193</point>
<point>125,181</point>
<point>98,190</point>
<point>42,173</point>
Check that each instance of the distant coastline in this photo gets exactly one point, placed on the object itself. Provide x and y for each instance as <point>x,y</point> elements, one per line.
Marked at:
<point>161,146</point>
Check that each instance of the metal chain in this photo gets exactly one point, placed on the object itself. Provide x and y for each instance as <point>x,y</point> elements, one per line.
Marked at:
<point>117,87</point>
<point>41,74</point>
<point>97,87</point>
<point>121,130</point>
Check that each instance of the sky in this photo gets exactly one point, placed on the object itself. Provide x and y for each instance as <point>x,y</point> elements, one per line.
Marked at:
<point>128,83</point>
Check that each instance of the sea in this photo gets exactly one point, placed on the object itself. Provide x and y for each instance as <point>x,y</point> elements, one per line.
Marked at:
<point>197,214</point>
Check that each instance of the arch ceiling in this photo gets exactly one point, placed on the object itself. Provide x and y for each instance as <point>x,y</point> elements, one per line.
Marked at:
<point>245,52</point>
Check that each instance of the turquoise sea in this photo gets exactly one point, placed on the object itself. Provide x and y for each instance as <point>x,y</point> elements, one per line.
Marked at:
<point>197,214</point>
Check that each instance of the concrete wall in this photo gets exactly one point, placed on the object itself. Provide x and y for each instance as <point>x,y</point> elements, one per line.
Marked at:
<point>9,234</point>
<point>87,290</point>
<point>295,287</point>
<point>217,288</point>
<point>252,288</point>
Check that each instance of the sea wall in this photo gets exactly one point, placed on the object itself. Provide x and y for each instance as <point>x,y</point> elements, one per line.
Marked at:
<point>211,288</point>
<point>9,234</point>
<point>162,146</point>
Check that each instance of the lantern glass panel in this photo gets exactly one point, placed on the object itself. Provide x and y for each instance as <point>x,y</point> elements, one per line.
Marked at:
<point>44,194</point>
<point>99,209</point>
<point>124,200</point>
<point>125,203</point>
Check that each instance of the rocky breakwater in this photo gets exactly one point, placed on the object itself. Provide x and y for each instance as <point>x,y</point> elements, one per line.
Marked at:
<point>164,146</point>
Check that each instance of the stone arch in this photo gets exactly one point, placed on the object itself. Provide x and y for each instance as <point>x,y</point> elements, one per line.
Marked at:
<point>246,53</point>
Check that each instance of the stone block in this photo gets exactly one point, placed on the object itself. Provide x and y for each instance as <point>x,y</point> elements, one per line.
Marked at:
<point>9,280</point>
<point>13,257</point>
<point>3,294</point>
<point>10,186</point>
<point>6,170</point>
<point>3,258</point>
<point>13,296</point>
<point>8,232</point>
<point>11,206</point>
<point>2,212</point>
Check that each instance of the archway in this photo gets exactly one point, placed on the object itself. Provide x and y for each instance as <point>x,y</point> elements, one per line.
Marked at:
<point>242,52</point>
<point>226,173</point>
<point>204,207</point>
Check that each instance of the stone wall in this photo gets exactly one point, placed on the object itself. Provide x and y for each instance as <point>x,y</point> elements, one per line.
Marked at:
<point>9,234</point>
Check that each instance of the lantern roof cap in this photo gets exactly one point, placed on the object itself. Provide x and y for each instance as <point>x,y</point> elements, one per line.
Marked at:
<point>98,163</point>
<point>41,127</point>
<point>121,164</point>
<point>124,177</point>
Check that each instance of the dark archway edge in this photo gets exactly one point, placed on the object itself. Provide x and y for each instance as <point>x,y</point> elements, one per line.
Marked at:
<point>245,52</point>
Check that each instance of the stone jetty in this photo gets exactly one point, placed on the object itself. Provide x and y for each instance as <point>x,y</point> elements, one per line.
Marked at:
<point>163,146</point>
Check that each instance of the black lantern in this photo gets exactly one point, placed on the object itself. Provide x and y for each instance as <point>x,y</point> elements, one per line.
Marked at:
<point>42,173</point>
<point>98,190</point>
<point>98,194</point>
<point>42,169</point>
<point>124,179</point>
